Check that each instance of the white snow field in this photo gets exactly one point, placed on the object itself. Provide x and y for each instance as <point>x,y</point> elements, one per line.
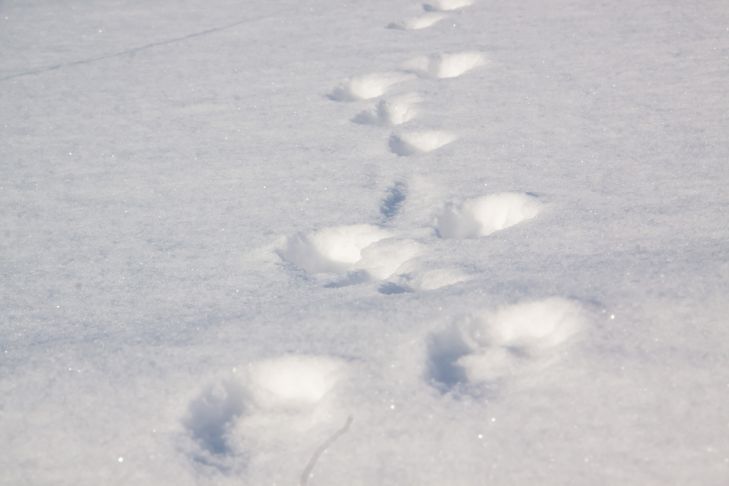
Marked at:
<point>379,242</point>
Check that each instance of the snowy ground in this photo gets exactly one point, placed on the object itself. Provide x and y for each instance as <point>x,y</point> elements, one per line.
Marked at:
<point>364,242</point>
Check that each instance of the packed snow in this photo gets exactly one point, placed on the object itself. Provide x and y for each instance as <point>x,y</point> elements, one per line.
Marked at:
<point>382,242</point>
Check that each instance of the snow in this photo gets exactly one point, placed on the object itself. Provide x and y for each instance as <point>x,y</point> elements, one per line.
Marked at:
<point>482,216</point>
<point>423,21</point>
<point>323,242</point>
<point>367,86</point>
<point>445,66</point>
<point>484,349</point>
<point>395,111</point>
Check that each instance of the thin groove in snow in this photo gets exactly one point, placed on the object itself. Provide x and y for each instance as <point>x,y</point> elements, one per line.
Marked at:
<point>129,51</point>
<point>327,443</point>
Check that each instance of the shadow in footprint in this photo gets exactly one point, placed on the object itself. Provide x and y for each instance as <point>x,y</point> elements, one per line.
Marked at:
<point>393,201</point>
<point>444,351</point>
<point>209,420</point>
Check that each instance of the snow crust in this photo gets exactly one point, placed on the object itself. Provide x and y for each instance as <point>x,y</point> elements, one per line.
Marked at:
<point>364,243</point>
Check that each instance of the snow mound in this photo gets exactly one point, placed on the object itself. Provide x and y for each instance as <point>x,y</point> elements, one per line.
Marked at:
<point>409,143</point>
<point>493,345</point>
<point>395,111</point>
<point>367,86</point>
<point>444,66</point>
<point>420,22</point>
<point>484,215</point>
<point>446,5</point>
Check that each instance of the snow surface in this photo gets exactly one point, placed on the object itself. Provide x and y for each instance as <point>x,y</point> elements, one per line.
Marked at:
<point>324,242</point>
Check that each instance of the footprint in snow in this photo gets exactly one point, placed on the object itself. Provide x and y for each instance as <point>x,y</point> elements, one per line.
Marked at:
<point>444,66</point>
<point>483,349</point>
<point>367,86</point>
<point>261,403</point>
<point>484,215</point>
<point>358,252</point>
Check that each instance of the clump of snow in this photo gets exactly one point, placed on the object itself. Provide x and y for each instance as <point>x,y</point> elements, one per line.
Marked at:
<point>484,215</point>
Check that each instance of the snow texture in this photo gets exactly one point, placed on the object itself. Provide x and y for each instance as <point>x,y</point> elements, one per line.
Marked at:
<point>364,243</point>
<point>484,215</point>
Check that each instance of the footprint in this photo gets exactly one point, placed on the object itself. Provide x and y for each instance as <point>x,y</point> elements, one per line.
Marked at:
<point>485,348</point>
<point>446,5</point>
<point>395,111</point>
<point>444,66</point>
<point>331,250</point>
<point>362,251</point>
<point>423,141</point>
<point>420,22</point>
<point>367,86</point>
<point>484,215</point>
<point>292,393</point>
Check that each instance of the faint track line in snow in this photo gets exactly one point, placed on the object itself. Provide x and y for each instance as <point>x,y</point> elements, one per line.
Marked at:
<point>306,475</point>
<point>130,51</point>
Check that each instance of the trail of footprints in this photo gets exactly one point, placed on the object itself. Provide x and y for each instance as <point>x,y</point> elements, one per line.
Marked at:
<point>297,395</point>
